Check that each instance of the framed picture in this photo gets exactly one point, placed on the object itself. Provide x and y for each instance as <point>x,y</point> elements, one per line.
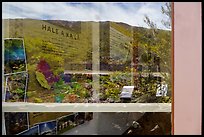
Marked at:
<point>39,117</point>
<point>14,56</point>
<point>16,87</point>
<point>48,128</point>
<point>66,123</point>
<point>16,122</point>
<point>31,131</point>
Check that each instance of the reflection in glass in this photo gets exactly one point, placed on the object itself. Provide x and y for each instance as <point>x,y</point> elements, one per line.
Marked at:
<point>91,61</point>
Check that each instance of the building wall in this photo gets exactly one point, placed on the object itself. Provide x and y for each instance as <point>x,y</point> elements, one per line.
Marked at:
<point>115,46</point>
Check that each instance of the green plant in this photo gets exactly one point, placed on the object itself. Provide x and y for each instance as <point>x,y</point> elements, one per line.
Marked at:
<point>19,92</point>
<point>166,99</point>
<point>30,93</point>
<point>111,85</point>
<point>156,41</point>
<point>41,79</point>
<point>147,85</point>
<point>78,89</point>
<point>59,98</point>
<point>38,100</point>
<point>112,93</point>
<point>60,89</point>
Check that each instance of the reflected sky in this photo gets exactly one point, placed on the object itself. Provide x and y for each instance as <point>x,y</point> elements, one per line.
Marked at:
<point>131,13</point>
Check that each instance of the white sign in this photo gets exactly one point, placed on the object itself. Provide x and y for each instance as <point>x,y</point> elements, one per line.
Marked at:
<point>162,90</point>
<point>127,92</point>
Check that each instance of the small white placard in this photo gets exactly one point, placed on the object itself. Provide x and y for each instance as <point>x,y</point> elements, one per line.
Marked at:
<point>162,90</point>
<point>127,92</point>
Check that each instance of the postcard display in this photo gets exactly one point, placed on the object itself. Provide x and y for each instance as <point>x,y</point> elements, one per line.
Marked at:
<point>49,61</point>
<point>23,66</point>
<point>38,123</point>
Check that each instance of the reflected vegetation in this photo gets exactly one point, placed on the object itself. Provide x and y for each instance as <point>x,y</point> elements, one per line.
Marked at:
<point>61,63</point>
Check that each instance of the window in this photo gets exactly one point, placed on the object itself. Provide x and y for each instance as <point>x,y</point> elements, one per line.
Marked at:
<point>86,64</point>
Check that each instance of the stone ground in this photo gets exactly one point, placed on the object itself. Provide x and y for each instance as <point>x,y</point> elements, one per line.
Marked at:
<point>152,123</point>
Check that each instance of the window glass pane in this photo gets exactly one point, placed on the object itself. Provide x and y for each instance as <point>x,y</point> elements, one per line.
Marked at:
<point>88,123</point>
<point>97,56</point>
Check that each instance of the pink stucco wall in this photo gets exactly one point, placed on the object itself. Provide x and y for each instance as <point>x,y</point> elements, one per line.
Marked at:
<point>187,68</point>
